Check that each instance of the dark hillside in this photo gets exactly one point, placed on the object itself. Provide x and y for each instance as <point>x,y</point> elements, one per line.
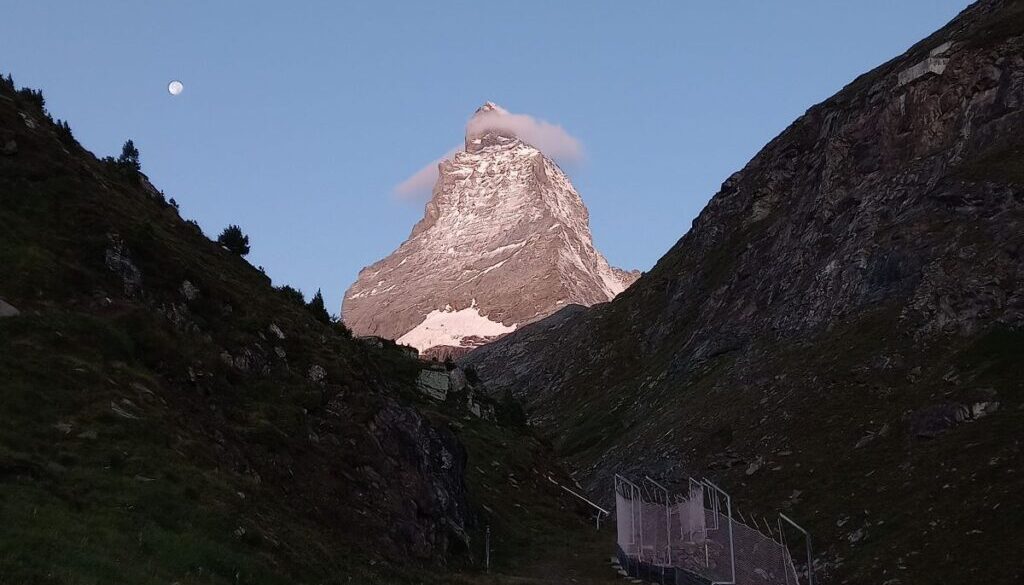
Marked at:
<point>840,335</point>
<point>169,416</point>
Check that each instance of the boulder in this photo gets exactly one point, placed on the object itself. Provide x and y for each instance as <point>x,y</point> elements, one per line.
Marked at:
<point>433,383</point>
<point>7,310</point>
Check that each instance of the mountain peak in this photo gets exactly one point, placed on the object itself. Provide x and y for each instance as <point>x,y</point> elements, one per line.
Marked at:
<point>489,107</point>
<point>449,285</point>
<point>488,127</point>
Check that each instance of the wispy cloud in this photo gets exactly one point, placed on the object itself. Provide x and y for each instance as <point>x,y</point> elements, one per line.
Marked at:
<point>422,181</point>
<point>551,139</point>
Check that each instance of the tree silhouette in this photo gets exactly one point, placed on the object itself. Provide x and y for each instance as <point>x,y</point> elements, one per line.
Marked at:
<point>317,307</point>
<point>234,240</point>
<point>129,159</point>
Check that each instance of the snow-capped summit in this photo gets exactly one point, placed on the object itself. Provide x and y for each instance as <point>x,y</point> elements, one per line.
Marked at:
<point>505,240</point>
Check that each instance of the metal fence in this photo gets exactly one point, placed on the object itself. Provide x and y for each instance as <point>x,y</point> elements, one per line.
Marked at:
<point>695,538</point>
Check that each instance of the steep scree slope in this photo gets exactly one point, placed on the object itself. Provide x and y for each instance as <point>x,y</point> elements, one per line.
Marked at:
<point>839,333</point>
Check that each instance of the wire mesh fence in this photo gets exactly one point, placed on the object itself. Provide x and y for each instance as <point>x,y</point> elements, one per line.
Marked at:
<point>694,537</point>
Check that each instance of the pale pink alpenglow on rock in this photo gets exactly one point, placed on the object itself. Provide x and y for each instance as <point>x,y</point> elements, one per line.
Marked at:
<point>505,240</point>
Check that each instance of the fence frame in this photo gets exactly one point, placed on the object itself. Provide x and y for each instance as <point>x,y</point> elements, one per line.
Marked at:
<point>732,546</point>
<point>599,509</point>
<point>807,538</point>
<point>634,495</point>
<point>668,518</point>
<point>649,492</point>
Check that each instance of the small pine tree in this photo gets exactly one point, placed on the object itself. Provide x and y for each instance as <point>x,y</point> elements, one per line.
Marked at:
<point>64,131</point>
<point>234,240</point>
<point>129,159</point>
<point>173,203</point>
<point>292,294</point>
<point>317,307</point>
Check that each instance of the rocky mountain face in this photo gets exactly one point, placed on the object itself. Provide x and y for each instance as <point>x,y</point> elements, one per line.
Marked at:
<point>839,334</point>
<point>505,241</point>
<point>169,416</point>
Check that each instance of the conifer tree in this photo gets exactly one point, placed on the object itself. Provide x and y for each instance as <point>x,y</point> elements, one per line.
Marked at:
<point>317,307</point>
<point>234,240</point>
<point>129,159</point>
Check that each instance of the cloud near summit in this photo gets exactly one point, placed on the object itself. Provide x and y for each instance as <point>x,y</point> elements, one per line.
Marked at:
<point>422,181</point>
<point>551,139</point>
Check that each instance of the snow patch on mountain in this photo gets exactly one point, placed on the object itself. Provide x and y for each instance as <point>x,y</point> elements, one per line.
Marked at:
<point>450,327</point>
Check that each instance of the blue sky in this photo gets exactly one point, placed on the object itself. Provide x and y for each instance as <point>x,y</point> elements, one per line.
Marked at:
<point>299,118</point>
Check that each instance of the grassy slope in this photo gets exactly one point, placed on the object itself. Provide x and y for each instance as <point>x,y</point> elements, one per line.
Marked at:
<point>115,465</point>
<point>130,452</point>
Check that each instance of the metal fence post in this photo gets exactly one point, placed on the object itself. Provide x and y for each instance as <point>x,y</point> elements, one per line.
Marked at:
<point>785,554</point>
<point>732,545</point>
<point>638,498</point>
<point>810,561</point>
<point>487,548</point>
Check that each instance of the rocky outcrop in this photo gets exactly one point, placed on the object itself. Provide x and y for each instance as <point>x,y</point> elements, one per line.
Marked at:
<point>865,265</point>
<point>505,241</point>
<point>430,516</point>
<point>433,382</point>
<point>119,261</point>
<point>8,310</point>
<point>443,383</point>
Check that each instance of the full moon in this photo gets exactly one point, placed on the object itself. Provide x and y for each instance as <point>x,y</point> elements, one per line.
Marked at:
<point>175,87</point>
